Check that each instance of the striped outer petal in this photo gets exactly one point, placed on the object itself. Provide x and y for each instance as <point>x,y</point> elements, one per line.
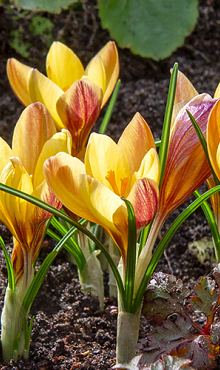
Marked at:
<point>186,167</point>
<point>42,89</point>
<point>63,66</point>
<point>79,109</point>
<point>144,199</point>
<point>34,127</point>
<point>213,138</point>
<point>18,77</point>
<point>185,91</point>
<point>109,55</point>
<point>6,153</point>
<point>60,142</point>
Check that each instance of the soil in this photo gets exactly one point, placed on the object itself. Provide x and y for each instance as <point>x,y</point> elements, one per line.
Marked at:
<point>69,329</point>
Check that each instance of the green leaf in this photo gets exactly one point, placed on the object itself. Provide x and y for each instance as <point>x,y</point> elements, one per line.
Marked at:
<point>10,271</point>
<point>131,257</point>
<point>110,109</point>
<point>149,28</point>
<point>54,6</point>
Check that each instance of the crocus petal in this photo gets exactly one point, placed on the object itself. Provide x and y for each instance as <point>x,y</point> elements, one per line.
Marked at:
<point>42,89</point>
<point>150,167</point>
<point>18,77</point>
<point>103,156</point>
<point>60,142</point>
<point>187,167</point>
<point>36,217</point>
<point>213,138</point>
<point>63,66</point>
<point>185,91</point>
<point>217,92</point>
<point>144,198</point>
<point>95,72</point>
<point>135,141</point>
<point>109,55</point>
<point>6,153</point>
<point>79,109</point>
<point>104,204</point>
<point>13,209</point>
<point>34,127</point>
<point>61,173</point>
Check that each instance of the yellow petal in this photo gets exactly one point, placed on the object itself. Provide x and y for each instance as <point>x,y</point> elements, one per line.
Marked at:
<point>60,142</point>
<point>150,167</point>
<point>213,138</point>
<point>78,109</point>
<point>217,92</point>
<point>34,127</point>
<point>135,141</point>
<point>106,162</point>
<point>109,55</point>
<point>104,205</point>
<point>6,153</point>
<point>18,77</point>
<point>95,72</point>
<point>185,91</point>
<point>63,66</point>
<point>61,173</point>
<point>42,89</point>
<point>13,209</point>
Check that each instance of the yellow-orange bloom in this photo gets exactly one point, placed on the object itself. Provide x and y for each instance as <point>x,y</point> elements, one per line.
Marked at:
<point>73,96</point>
<point>21,167</point>
<point>93,189</point>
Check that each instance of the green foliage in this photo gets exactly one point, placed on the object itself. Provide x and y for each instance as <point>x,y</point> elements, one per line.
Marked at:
<point>18,43</point>
<point>54,6</point>
<point>42,26</point>
<point>149,28</point>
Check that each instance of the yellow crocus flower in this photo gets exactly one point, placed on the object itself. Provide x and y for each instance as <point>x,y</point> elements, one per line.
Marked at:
<point>73,96</point>
<point>21,167</point>
<point>93,189</point>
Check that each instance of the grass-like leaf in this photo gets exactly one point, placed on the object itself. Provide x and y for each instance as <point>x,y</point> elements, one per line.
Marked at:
<point>212,224</point>
<point>10,271</point>
<point>131,257</point>
<point>167,122</point>
<point>109,111</point>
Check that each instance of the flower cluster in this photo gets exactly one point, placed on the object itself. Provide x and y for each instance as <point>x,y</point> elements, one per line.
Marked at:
<point>54,158</point>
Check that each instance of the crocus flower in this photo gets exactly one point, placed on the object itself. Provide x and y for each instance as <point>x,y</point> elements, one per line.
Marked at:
<point>93,189</point>
<point>186,168</point>
<point>73,96</point>
<point>21,167</point>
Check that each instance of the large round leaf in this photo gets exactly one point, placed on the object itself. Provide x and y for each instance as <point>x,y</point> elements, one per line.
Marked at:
<point>150,28</point>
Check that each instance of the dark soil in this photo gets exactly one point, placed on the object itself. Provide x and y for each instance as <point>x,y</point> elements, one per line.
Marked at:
<point>69,329</point>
